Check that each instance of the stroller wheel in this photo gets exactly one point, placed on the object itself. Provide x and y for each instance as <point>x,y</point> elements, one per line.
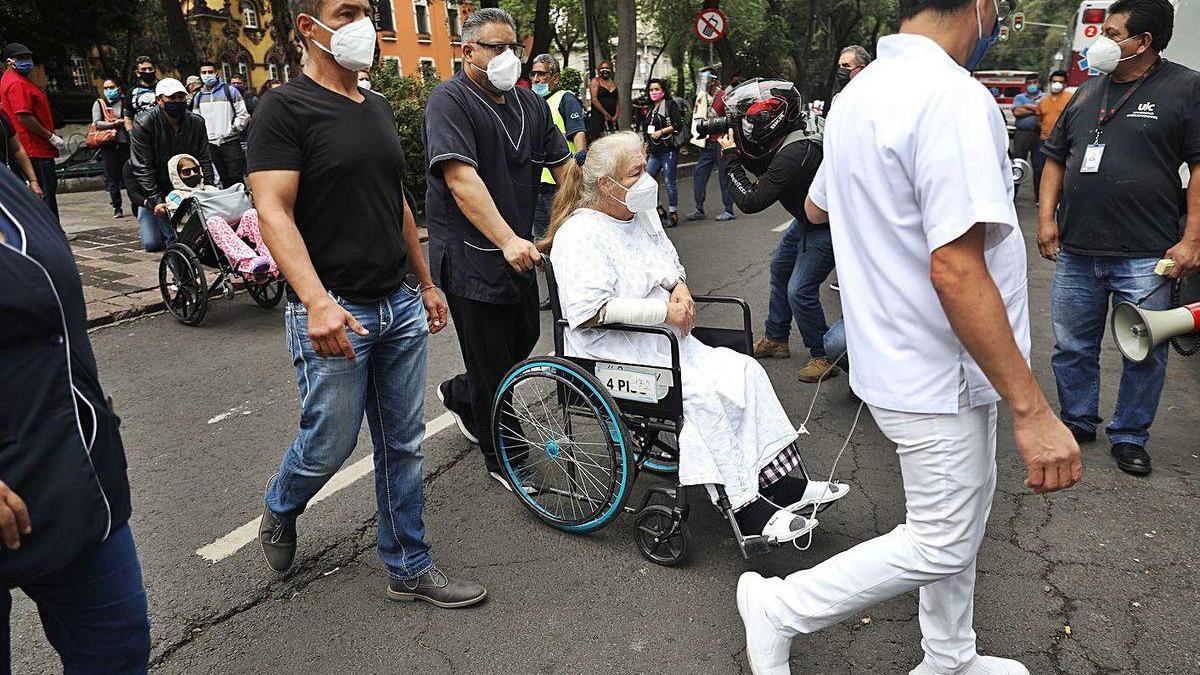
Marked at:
<point>662,535</point>
<point>266,294</point>
<point>182,284</point>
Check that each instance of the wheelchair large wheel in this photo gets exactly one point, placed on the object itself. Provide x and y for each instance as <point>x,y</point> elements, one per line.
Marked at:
<point>562,444</point>
<point>266,294</point>
<point>182,284</point>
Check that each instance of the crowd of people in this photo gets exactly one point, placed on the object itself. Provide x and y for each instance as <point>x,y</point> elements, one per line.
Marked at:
<point>934,294</point>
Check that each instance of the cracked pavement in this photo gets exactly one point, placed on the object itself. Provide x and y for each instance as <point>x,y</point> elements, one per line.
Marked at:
<point>1114,558</point>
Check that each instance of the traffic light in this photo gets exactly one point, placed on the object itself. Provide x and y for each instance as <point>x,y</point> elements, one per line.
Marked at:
<point>1019,21</point>
<point>1003,33</point>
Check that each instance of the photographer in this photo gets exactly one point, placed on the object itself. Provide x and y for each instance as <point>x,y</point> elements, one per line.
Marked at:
<point>785,157</point>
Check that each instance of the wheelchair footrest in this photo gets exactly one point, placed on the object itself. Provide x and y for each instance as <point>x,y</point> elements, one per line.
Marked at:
<point>755,545</point>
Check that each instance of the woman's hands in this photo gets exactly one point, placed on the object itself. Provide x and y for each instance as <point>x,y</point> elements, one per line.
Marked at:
<point>681,309</point>
<point>14,518</point>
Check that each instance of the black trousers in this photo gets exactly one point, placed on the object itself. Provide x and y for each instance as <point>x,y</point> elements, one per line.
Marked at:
<point>43,168</point>
<point>114,156</point>
<point>1025,145</point>
<point>230,161</point>
<point>493,339</point>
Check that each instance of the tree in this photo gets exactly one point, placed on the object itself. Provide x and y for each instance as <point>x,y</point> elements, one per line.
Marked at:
<point>626,57</point>
<point>281,21</point>
<point>179,37</point>
<point>55,30</point>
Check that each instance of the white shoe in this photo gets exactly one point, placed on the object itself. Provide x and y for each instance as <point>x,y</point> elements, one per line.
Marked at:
<point>767,651</point>
<point>983,665</point>
<point>785,526</point>
<point>462,424</point>
<point>821,493</point>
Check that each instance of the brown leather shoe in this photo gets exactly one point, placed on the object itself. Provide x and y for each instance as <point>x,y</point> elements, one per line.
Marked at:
<point>817,369</point>
<point>766,348</point>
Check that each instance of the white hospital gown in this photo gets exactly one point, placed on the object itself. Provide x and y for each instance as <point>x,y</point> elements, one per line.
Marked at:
<point>734,425</point>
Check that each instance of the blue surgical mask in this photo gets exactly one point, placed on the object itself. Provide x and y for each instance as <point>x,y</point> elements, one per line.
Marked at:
<point>23,66</point>
<point>541,88</point>
<point>209,79</point>
<point>112,93</point>
<point>985,42</point>
<point>1031,88</point>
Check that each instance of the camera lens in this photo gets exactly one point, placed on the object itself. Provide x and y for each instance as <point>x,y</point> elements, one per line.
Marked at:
<point>716,126</point>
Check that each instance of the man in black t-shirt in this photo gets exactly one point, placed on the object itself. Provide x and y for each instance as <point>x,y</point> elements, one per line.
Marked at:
<point>1115,158</point>
<point>487,143</point>
<point>325,167</point>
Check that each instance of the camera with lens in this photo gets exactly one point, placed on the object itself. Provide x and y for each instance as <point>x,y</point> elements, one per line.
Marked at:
<point>714,126</point>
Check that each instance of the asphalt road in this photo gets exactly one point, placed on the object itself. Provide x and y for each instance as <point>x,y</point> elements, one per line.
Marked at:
<point>207,412</point>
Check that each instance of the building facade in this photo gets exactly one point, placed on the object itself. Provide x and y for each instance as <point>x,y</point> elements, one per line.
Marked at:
<point>422,33</point>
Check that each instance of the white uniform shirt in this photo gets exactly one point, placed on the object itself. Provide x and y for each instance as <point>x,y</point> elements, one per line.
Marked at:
<point>916,153</point>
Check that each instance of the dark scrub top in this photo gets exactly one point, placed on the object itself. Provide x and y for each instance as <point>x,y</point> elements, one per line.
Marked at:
<point>508,144</point>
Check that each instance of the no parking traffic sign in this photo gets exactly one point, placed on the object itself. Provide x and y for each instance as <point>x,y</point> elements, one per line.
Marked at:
<point>711,24</point>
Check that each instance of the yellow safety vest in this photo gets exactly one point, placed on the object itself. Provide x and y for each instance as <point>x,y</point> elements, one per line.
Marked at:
<point>554,101</point>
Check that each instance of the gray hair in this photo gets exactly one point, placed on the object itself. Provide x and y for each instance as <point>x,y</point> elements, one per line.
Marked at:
<point>549,61</point>
<point>479,18</point>
<point>861,55</point>
<point>606,158</point>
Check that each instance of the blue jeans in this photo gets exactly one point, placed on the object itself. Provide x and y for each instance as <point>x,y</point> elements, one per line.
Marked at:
<point>542,210</point>
<point>801,263</point>
<point>93,610</point>
<point>155,232</point>
<point>386,383</point>
<point>1083,286</point>
<point>835,345</point>
<point>666,163</point>
<point>711,156</point>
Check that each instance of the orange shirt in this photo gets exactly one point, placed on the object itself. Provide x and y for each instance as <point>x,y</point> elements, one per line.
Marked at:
<point>1049,109</point>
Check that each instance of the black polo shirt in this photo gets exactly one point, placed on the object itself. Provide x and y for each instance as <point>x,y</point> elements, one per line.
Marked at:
<point>349,204</point>
<point>508,144</point>
<point>1131,207</point>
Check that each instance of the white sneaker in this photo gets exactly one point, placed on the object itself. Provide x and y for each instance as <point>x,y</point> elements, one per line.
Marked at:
<point>785,526</point>
<point>525,486</point>
<point>462,424</point>
<point>819,492</point>
<point>983,665</point>
<point>767,651</point>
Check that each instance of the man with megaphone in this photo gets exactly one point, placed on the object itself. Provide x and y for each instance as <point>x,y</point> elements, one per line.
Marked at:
<point>1114,158</point>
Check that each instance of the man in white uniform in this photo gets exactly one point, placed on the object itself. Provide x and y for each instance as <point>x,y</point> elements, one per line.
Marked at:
<point>917,187</point>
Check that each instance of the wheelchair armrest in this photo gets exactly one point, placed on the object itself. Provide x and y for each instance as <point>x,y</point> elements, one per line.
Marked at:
<point>747,328</point>
<point>630,328</point>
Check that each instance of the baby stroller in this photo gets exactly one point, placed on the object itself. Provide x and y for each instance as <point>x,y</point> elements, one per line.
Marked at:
<point>181,279</point>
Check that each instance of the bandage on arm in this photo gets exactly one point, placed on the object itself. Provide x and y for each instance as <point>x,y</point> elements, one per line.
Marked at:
<point>638,312</point>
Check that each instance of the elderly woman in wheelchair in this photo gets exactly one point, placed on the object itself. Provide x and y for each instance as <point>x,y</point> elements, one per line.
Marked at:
<point>625,322</point>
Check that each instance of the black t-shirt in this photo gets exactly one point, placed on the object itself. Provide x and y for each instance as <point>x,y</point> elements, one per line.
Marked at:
<point>508,144</point>
<point>1132,206</point>
<point>349,203</point>
<point>786,179</point>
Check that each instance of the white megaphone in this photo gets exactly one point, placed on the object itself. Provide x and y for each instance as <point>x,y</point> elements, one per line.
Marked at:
<point>1138,331</point>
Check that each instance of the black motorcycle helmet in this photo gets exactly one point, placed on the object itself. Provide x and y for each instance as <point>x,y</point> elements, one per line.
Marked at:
<point>764,112</point>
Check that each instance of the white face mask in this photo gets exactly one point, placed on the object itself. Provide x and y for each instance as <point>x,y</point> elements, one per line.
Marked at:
<point>352,45</point>
<point>1105,54</point>
<point>503,70</point>
<point>642,195</point>
<point>1056,87</point>
<point>365,84</point>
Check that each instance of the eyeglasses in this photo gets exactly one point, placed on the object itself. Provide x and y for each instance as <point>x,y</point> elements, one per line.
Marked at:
<point>188,172</point>
<point>498,48</point>
<point>541,73</point>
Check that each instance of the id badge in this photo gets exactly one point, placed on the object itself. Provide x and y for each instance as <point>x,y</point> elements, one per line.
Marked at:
<point>650,129</point>
<point>1091,158</point>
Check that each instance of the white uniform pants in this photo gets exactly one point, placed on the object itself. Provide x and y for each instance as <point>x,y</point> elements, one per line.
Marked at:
<point>949,467</point>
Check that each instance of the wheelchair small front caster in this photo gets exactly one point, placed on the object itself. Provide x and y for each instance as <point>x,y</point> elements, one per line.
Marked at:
<point>227,289</point>
<point>662,535</point>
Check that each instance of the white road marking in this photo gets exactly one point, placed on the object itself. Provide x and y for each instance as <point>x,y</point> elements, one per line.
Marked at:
<point>782,227</point>
<point>234,541</point>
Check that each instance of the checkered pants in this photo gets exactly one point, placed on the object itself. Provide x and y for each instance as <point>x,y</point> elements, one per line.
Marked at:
<point>783,464</point>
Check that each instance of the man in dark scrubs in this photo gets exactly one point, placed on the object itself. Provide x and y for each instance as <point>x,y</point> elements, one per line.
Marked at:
<point>487,143</point>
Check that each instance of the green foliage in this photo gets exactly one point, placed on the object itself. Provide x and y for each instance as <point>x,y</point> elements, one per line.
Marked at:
<point>408,95</point>
<point>1033,48</point>
<point>572,81</point>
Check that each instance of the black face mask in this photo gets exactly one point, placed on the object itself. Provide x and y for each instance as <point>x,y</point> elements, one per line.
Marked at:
<point>176,109</point>
<point>146,78</point>
<point>843,76</point>
<point>191,179</point>
<point>606,73</point>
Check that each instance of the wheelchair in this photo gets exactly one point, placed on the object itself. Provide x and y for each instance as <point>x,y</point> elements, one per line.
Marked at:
<point>181,280</point>
<point>573,434</point>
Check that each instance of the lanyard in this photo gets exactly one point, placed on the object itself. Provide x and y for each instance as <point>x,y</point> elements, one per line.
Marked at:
<point>1106,113</point>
